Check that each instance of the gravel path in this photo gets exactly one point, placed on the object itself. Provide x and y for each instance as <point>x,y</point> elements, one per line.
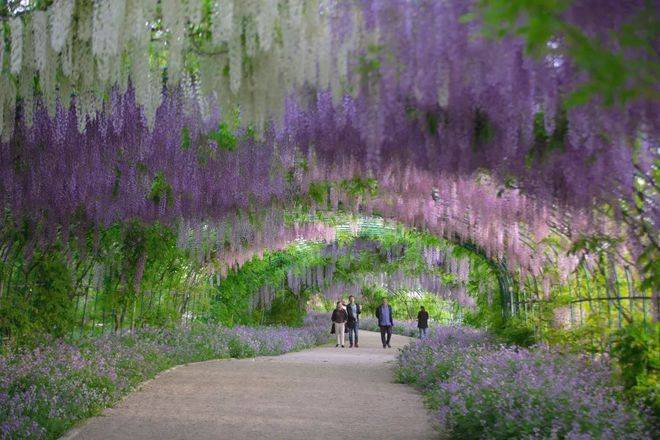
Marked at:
<point>321,393</point>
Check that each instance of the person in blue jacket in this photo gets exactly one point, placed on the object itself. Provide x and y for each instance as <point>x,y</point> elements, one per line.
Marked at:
<point>353,310</point>
<point>385,322</point>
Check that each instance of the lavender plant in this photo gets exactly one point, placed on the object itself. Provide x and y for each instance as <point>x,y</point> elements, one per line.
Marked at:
<point>44,390</point>
<point>478,389</point>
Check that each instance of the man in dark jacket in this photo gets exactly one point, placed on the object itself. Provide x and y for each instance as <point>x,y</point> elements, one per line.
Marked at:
<point>422,322</point>
<point>385,322</point>
<point>353,322</point>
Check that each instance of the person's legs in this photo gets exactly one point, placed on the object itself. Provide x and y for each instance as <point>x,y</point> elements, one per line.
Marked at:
<point>350,335</point>
<point>389,334</point>
<point>338,331</point>
<point>355,330</point>
<point>383,330</point>
<point>423,335</point>
<point>342,328</point>
<point>420,330</point>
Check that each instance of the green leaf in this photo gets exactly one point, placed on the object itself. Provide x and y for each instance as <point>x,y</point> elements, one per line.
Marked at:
<point>160,188</point>
<point>185,138</point>
<point>224,138</point>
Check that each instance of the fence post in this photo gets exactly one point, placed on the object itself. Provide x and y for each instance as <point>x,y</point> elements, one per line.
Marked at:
<point>631,292</point>
<point>615,278</point>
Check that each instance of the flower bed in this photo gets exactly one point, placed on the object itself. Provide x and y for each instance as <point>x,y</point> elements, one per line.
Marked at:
<point>44,391</point>
<point>480,390</point>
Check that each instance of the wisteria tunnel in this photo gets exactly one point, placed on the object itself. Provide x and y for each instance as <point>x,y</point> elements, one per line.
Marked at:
<point>194,180</point>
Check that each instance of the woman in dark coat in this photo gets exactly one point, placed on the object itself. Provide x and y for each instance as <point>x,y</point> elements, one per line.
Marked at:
<point>339,318</point>
<point>422,322</point>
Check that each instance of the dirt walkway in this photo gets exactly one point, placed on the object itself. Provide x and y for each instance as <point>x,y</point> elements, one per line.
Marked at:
<point>321,393</point>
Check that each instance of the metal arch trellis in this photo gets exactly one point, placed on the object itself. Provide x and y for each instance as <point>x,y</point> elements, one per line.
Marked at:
<point>583,308</point>
<point>519,301</point>
<point>504,277</point>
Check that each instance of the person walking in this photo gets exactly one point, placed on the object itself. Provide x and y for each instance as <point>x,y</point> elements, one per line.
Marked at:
<point>385,322</point>
<point>339,318</point>
<point>422,322</point>
<point>353,311</point>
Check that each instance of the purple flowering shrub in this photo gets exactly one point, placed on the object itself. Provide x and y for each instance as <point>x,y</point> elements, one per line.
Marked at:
<point>43,391</point>
<point>480,390</point>
<point>445,349</point>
